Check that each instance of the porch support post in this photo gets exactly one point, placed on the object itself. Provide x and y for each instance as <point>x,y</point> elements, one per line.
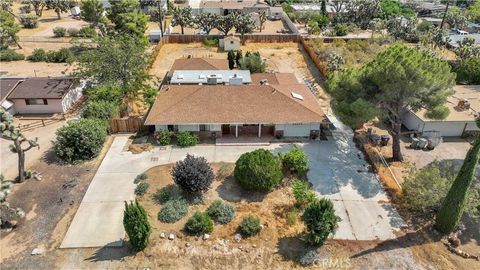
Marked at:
<point>259,130</point>
<point>236,130</point>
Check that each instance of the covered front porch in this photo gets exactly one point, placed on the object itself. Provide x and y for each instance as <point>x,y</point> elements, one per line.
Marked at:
<point>247,130</point>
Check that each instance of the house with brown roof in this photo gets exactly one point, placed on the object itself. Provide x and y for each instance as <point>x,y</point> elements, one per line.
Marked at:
<point>43,95</point>
<point>198,64</point>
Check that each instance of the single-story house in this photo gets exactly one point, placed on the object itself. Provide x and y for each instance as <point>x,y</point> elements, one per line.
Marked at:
<point>274,78</point>
<point>6,87</point>
<point>230,43</point>
<point>308,7</point>
<point>288,110</point>
<point>198,64</point>
<point>232,77</point>
<point>464,107</point>
<point>225,7</point>
<point>454,39</point>
<point>43,95</point>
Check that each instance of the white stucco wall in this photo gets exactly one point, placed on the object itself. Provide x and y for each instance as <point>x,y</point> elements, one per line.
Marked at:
<point>71,97</point>
<point>227,44</point>
<point>53,106</point>
<point>412,122</point>
<point>446,128</point>
<point>297,130</point>
<point>188,127</point>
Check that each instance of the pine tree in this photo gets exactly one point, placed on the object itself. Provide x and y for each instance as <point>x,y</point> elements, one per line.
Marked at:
<point>453,206</point>
<point>135,222</point>
<point>231,59</point>
<point>238,58</point>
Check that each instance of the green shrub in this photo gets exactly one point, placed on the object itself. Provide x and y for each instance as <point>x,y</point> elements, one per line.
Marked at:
<point>8,55</point>
<point>258,170</point>
<point>38,55</point>
<point>221,212</point>
<point>80,140</point>
<point>302,193</point>
<point>320,221</point>
<point>341,29</point>
<point>73,32</point>
<point>469,71</point>
<point>141,188</point>
<point>292,217</point>
<point>163,137</point>
<point>173,210</point>
<point>135,222</point>
<point>108,93</point>
<point>63,55</point>
<point>28,20</point>
<point>250,226</point>
<point>164,195</point>
<point>101,110</point>
<point>252,62</point>
<point>87,32</point>
<point>140,178</point>
<point>59,31</point>
<point>210,42</point>
<point>295,161</point>
<point>185,138</point>
<point>199,223</point>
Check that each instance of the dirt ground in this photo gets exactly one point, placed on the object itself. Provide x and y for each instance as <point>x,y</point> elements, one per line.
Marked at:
<point>270,27</point>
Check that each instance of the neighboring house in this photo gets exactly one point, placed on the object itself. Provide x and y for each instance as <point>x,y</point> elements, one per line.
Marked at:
<point>317,7</point>
<point>43,95</point>
<point>464,106</point>
<point>272,105</point>
<point>225,7</point>
<point>454,39</point>
<point>198,64</point>
<point>6,87</point>
<point>230,43</point>
<point>231,77</point>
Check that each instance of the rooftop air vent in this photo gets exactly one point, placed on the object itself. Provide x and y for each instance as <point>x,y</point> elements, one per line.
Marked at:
<point>202,76</point>
<point>263,82</point>
<point>297,96</point>
<point>179,76</point>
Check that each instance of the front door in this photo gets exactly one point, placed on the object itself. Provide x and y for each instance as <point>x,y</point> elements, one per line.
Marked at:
<point>225,129</point>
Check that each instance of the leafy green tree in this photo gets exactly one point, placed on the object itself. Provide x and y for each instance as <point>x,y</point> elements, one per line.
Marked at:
<point>59,6</point>
<point>473,12</point>
<point>231,59</point>
<point>8,30</point>
<point>10,132</point>
<point>320,221</point>
<point>182,17</point>
<point>361,12</point>
<point>206,21</point>
<point>455,18</point>
<point>357,113</point>
<point>398,28</point>
<point>453,206</point>
<point>135,222</point>
<point>244,24</point>
<point>118,60</point>
<point>469,71</point>
<point>226,23</point>
<point>101,110</point>
<point>253,62</point>
<point>92,12</point>
<point>393,8</point>
<point>402,77</point>
<point>126,17</point>
<point>467,48</point>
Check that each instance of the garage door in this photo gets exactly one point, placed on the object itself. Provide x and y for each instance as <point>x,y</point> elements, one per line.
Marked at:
<point>296,130</point>
<point>446,129</point>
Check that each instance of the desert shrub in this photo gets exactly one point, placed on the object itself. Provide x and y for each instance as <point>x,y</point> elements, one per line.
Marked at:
<point>107,92</point>
<point>59,31</point>
<point>341,29</point>
<point>63,55</point>
<point>308,257</point>
<point>199,223</point>
<point>80,140</point>
<point>87,32</point>
<point>210,42</point>
<point>221,212</point>
<point>38,55</point>
<point>140,178</point>
<point>135,222</point>
<point>253,62</point>
<point>173,210</point>
<point>295,161</point>
<point>469,71</point>
<point>302,193</point>
<point>258,170</point>
<point>193,174</point>
<point>163,137</point>
<point>185,138</point>
<point>73,32</point>
<point>292,217</point>
<point>320,221</point>
<point>164,195</point>
<point>141,188</point>
<point>250,226</point>
<point>7,55</point>
<point>28,20</point>
<point>101,110</point>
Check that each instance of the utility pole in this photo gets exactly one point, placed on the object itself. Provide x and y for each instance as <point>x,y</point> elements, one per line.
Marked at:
<point>161,15</point>
<point>444,15</point>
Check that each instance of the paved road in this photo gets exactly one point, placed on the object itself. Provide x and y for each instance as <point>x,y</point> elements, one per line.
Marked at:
<point>336,172</point>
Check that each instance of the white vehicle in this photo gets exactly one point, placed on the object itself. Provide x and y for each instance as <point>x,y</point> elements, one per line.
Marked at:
<point>461,32</point>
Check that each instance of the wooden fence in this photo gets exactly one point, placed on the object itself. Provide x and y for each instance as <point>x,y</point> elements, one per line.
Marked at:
<point>313,55</point>
<point>126,125</point>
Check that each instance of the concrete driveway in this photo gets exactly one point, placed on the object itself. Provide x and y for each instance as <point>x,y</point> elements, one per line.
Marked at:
<point>337,171</point>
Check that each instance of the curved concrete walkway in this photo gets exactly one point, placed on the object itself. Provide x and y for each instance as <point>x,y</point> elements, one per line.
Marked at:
<point>336,172</point>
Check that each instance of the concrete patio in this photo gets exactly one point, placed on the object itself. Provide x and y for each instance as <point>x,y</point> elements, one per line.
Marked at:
<point>337,171</point>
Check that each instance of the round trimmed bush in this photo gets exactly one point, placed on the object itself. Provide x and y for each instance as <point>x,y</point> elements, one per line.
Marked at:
<point>101,110</point>
<point>193,174</point>
<point>59,31</point>
<point>199,223</point>
<point>141,188</point>
<point>80,140</point>
<point>173,210</point>
<point>320,221</point>
<point>221,212</point>
<point>296,161</point>
<point>38,55</point>
<point>163,137</point>
<point>250,226</point>
<point>258,170</point>
<point>185,138</point>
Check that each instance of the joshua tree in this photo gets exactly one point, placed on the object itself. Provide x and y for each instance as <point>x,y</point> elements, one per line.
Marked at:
<point>182,17</point>
<point>244,25</point>
<point>226,23</point>
<point>7,213</point>
<point>206,21</point>
<point>262,17</point>
<point>9,132</point>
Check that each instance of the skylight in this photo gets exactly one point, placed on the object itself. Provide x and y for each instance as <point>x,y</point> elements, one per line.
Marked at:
<point>297,96</point>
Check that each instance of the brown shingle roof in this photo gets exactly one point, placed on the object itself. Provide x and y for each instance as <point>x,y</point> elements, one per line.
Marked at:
<point>53,88</point>
<point>216,104</point>
<point>199,64</point>
<point>274,78</point>
<point>6,86</point>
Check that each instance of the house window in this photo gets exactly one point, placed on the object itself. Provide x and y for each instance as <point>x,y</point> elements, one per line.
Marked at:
<point>231,42</point>
<point>172,128</point>
<point>36,101</point>
<point>204,127</point>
